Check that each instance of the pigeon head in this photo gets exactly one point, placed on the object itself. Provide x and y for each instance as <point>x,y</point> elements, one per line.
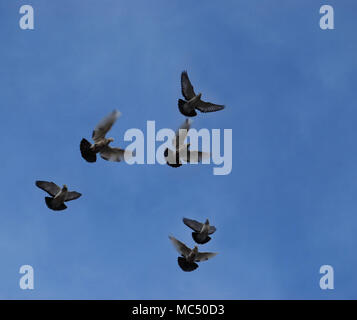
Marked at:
<point>65,187</point>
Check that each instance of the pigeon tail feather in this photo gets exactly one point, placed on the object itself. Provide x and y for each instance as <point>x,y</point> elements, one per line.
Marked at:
<point>86,151</point>
<point>49,203</point>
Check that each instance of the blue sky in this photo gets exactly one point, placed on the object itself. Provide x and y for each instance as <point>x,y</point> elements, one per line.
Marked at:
<point>289,205</point>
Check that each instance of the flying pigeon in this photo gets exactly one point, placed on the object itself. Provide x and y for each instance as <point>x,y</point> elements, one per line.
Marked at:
<point>193,101</point>
<point>201,230</point>
<point>189,257</point>
<point>101,143</point>
<point>58,195</point>
<point>182,150</point>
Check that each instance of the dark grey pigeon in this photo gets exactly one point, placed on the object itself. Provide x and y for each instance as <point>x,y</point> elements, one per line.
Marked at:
<point>193,101</point>
<point>181,150</point>
<point>201,230</point>
<point>189,257</point>
<point>101,143</point>
<point>58,195</point>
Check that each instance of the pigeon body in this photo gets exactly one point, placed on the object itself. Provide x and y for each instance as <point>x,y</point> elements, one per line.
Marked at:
<point>201,230</point>
<point>181,150</point>
<point>101,143</point>
<point>192,100</point>
<point>189,257</point>
<point>58,195</point>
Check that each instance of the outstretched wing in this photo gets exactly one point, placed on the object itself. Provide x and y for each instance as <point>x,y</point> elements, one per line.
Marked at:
<point>114,154</point>
<point>193,224</point>
<point>194,156</point>
<point>186,86</point>
<point>105,125</point>
<point>181,134</point>
<point>180,247</point>
<point>203,256</point>
<point>208,106</point>
<point>50,187</point>
<point>72,195</point>
<point>212,229</point>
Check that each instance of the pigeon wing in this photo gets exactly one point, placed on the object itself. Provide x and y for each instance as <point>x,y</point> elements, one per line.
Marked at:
<point>212,229</point>
<point>194,156</point>
<point>193,224</point>
<point>105,125</point>
<point>72,195</point>
<point>50,187</point>
<point>180,247</point>
<point>114,154</point>
<point>186,86</point>
<point>208,106</point>
<point>203,256</point>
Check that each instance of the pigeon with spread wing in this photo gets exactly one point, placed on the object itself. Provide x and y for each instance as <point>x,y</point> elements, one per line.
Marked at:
<point>58,195</point>
<point>189,257</point>
<point>192,100</point>
<point>201,230</point>
<point>101,143</point>
<point>181,150</point>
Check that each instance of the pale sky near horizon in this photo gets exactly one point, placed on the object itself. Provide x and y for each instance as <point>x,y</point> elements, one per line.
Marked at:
<point>289,205</point>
